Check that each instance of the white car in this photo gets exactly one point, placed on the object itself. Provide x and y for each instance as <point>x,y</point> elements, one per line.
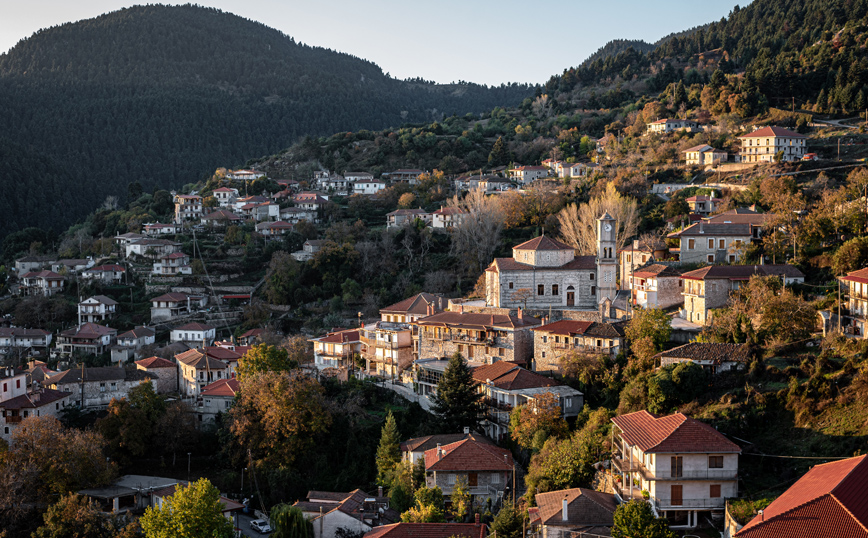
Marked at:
<point>261,526</point>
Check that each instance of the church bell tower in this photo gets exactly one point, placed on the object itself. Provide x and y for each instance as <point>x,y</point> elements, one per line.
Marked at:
<point>607,260</point>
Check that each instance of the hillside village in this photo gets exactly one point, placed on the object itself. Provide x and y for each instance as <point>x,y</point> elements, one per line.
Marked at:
<point>634,341</point>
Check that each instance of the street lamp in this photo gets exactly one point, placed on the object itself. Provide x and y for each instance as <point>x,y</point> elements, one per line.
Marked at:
<point>188,467</point>
<point>242,480</point>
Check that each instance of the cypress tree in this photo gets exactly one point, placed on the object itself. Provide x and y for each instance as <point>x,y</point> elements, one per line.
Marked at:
<point>389,451</point>
<point>457,401</point>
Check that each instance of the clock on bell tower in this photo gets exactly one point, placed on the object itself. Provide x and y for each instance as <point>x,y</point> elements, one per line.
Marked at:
<point>607,257</point>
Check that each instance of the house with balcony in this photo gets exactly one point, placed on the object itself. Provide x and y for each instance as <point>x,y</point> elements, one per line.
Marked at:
<point>714,242</point>
<point>415,307</point>
<point>854,320</point>
<point>188,207</point>
<point>262,211</point>
<point>505,386</point>
<point>95,388</point>
<point>130,342</point>
<point>216,398</point>
<point>16,337</point>
<point>405,175</point>
<point>528,174</point>
<point>828,501</point>
<point>554,340</point>
<point>337,349</point>
<point>39,403</point>
<point>310,201</point>
<point>96,308</point>
<point>710,287</point>
<point>447,217</point>
<point>174,305</point>
<point>196,370</point>
<point>174,264</point>
<point>764,145</point>
<point>45,283</point>
<point>87,338</point>
<point>274,230</point>
<point>111,273</point>
<point>221,219</point>
<point>573,512</point>
<point>294,215</point>
<point>686,466</point>
<point>225,196</point>
<point>668,125</point>
<point>151,248</point>
<point>714,358</point>
<point>413,450</point>
<point>387,348</point>
<point>479,337</point>
<point>404,217</point>
<point>656,286</point>
<point>156,229</point>
<point>485,469</point>
<point>369,187</point>
<point>704,154</point>
<point>703,205</point>
<point>194,334</point>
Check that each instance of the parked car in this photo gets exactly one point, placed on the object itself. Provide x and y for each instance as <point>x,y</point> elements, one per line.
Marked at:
<point>261,526</point>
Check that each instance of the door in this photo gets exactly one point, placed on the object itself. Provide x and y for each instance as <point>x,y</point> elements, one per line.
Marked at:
<point>677,466</point>
<point>571,298</point>
<point>677,495</point>
<point>472,479</point>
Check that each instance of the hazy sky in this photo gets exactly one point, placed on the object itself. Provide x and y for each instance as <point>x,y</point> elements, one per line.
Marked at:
<point>485,41</point>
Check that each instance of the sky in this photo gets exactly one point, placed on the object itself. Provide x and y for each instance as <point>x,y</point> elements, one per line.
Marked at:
<point>483,41</point>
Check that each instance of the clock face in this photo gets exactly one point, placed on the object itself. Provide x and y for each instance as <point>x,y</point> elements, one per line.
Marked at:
<point>608,227</point>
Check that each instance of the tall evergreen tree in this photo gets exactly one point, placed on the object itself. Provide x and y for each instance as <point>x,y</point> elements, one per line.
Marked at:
<point>499,154</point>
<point>457,402</point>
<point>389,451</point>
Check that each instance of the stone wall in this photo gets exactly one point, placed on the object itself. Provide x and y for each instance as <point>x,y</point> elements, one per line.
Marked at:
<point>504,286</point>
<point>167,379</point>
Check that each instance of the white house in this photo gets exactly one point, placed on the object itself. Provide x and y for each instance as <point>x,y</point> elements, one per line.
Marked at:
<point>107,273</point>
<point>173,305</point>
<point>194,334</point>
<point>96,308</point>
<point>447,217</point>
<point>763,145</point>
<point>132,341</point>
<point>225,196</point>
<point>527,174</point>
<point>668,125</point>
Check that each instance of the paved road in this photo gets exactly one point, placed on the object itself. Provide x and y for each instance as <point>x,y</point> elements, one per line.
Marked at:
<point>244,524</point>
<point>408,394</point>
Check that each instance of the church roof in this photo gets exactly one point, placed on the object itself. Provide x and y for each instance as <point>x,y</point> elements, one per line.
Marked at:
<point>543,243</point>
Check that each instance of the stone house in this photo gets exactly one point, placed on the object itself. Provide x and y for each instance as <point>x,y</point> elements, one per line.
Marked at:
<point>482,338</point>
<point>94,388</point>
<point>112,273</point>
<point>404,217</point>
<point>369,186</point>
<point>636,255</point>
<point>89,338</point>
<point>484,468</point>
<point>714,358</point>
<point>657,286</point>
<point>415,307</point>
<point>221,218</point>
<point>308,250</point>
<point>187,207</point>
<point>173,305</point>
<point>216,398</point>
<point>710,287</point>
<point>194,334</point>
<point>96,308</point>
<point>164,371</point>
<point>528,174</point>
<point>355,512</point>
<point>714,242</point>
<point>763,145</point>
<point>688,468</point>
<point>564,513</point>
<point>387,348</point>
<point>72,266</point>
<point>40,403</point>
<point>45,283</point>
<point>506,385</point>
<point>250,338</point>
<point>225,196</point>
<point>703,205</point>
<point>294,215</point>
<point>14,337</point>
<point>29,264</point>
<point>151,248</point>
<point>554,340</point>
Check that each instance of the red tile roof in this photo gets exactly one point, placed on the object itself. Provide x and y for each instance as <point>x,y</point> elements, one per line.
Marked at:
<point>673,433</point>
<point>767,132</point>
<point>657,270</point>
<point>417,304</point>
<point>743,272</point>
<point>198,360</point>
<point>477,321</point>
<point>171,298</point>
<point>566,327</point>
<point>34,400</point>
<point>48,275</point>
<point>579,263</point>
<point>194,326</point>
<point>585,507</point>
<point>509,376</point>
<point>341,337</point>
<point>543,243</point>
<point>860,276</point>
<point>469,455</point>
<point>223,387</point>
<point>831,501</point>
<point>156,362</point>
<point>106,268</point>
<point>429,530</point>
<point>88,330</point>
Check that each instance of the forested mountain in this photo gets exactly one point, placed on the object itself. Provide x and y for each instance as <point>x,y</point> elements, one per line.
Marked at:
<point>617,46</point>
<point>163,95</point>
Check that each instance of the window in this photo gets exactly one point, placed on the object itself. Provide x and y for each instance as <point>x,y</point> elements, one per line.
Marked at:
<point>677,467</point>
<point>17,383</point>
<point>731,258</point>
<point>500,352</point>
<point>543,354</point>
<point>114,386</point>
<point>450,479</point>
<point>207,403</point>
<point>711,244</point>
<point>472,479</point>
<point>545,339</point>
<point>557,339</point>
<point>102,387</point>
<point>592,276</point>
<point>721,244</point>
<point>554,289</point>
<point>495,478</point>
<point>715,462</point>
<point>629,258</point>
<point>4,387</point>
<point>715,491</point>
<point>593,290</point>
<point>510,285</point>
<point>691,244</point>
<point>6,430</point>
<point>568,402</point>
<point>710,258</point>
<point>599,343</point>
<point>540,289</point>
<point>650,459</point>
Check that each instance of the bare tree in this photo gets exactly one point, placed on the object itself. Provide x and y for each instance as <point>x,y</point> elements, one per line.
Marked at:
<point>579,224</point>
<point>477,233</point>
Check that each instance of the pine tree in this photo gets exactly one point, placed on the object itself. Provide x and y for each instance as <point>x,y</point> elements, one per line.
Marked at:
<point>508,523</point>
<point>457,401</point>
<point>389,451</point>
<point>499,155</point>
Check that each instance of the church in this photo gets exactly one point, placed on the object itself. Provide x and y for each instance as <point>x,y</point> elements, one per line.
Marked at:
<point>545,273</point>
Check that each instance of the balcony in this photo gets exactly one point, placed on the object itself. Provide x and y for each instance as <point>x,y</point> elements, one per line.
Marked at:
<point>636,466</point>
<point>714,503</point>
<point>14,420</point>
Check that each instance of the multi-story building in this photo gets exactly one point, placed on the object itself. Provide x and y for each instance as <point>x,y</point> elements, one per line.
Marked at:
<point>483,468</point>
<point>669,125</point>
<point>112,273</point>
<point>244,175</point>
<point>505,386</point>
<point>447,217</point>
<point>479,337</point>
<point>16,337</point>
<point>97,387</point>
<point>710,287</point>
<point>165,372</point>
<point>40,403</point>
<point>387,348</point>
<point>130,342</point>
<point>173,305</point>
<point>174,264</point>
<point>855,322</point>
<point>337,349</point>
<point>554,340</point>
<point>225,196</point>
<point>528,174</point>
<point>703,205</point>
<point>188,207</point>
<point>197,370</point>
<point>221,218</point>
<point>687,467</point>
<point>88,338</point>
<point>409,175</point>
<point>369,186</point>
<point>764,145</point>
<point>45,283</point>
<point>151,248</point>
<point>96,308</point>
<point>194,334</point>
<point>415,307</point>
<point>558,514</point>
<point>403,217</point>
<point>656,286</point>
<point>706,242</point>
<point>216,398</point>
<point>703,155</point>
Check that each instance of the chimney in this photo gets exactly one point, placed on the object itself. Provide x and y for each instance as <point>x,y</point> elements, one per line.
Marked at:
<point>379,491</point>
<point>476,518</point>
<point>762,517</point>
<point>565,510</point>
<point>439,452</point>
<point>700,227</point>
<point>460,308</point>
<point>466,430</point>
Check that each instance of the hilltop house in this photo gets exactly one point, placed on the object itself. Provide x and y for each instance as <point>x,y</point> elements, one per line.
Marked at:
<point>96,308</point>
<point>225,196</point>
<point>96,387</point>
<point>764,145</point>
<point>856,314</point>
<point>336,349</point>
<point>686,466</point>
<point>669,125</point>
<point>187,207</point>
<point>45,283</point>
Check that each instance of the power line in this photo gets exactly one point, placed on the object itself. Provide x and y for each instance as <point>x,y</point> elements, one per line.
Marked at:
<point>801,457</point>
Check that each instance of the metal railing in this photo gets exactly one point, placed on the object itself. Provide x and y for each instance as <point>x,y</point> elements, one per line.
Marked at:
<point>635,466</point>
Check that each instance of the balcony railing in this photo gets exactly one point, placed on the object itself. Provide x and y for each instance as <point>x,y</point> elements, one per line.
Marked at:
<point>636,466</point>
<point>676,504</point>
<point>14,419</point>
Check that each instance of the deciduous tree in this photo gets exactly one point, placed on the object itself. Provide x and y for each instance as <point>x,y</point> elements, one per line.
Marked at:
<point>288,521</point>
<point>530,425</point>
<point>649,323</point>
<point>477,233</point>
<point>578,224</point>
<point>264,358</point>
<point>635,519</point>
<point>192,512</point>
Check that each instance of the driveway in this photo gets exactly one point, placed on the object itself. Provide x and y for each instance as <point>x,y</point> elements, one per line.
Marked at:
<point>244,524</point>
